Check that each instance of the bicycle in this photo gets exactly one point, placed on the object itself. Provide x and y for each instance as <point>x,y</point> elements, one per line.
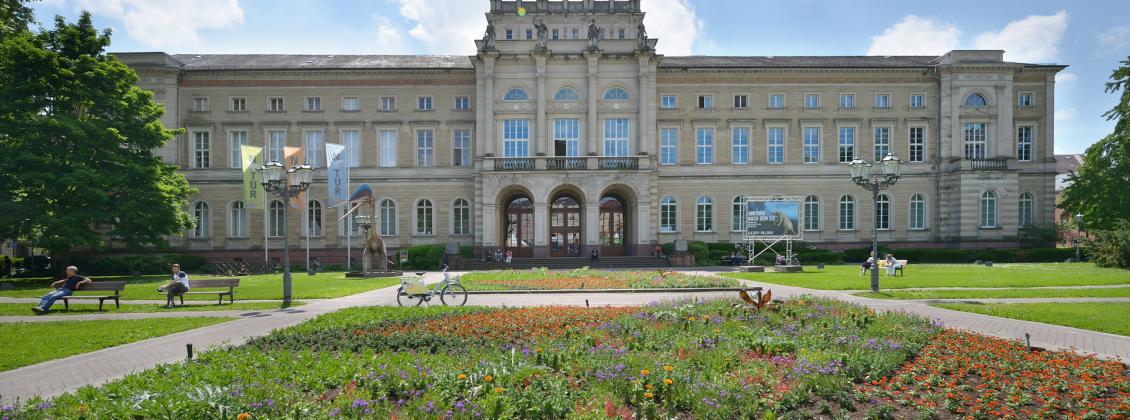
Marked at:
<point>449,290</point>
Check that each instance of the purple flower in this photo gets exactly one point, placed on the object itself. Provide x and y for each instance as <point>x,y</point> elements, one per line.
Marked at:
<point>360,403</point>
<point>335,412</point>
<point>6,408</point>
<point>44,406</point>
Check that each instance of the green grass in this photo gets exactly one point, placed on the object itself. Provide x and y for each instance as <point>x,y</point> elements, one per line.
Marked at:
<point>84,308</point>
<point>28,343</point>
<point>846,277</point>
<point>1108,317</point>
<point>999,294</point>
<point>263,286</point>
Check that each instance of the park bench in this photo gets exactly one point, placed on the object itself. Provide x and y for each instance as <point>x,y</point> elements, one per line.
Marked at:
<point>731,260</point>
<point>103,288</point>
<point>902,265</point>
<point>196,285</point>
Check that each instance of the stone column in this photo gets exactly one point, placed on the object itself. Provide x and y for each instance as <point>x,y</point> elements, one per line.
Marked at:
<point>541,144</point>
<point>541,229</point>
<point>592,225</point>
<point>486,102</point>
<point>591,141</point>
<point>642,98</point>
<point>1049,122</point>
<point>489,228</point>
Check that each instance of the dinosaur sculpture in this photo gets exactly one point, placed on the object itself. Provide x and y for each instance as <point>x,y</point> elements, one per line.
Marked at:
<point>374,245</point>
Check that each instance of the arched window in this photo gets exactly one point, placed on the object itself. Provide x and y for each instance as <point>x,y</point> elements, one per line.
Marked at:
<point>203,218</point>
<point>424,213</point>
<point>917,211</point>
<point>812,213</point>
<point>314,218</point>
<point>516,94</point>
<point>616,94</point>
<point>737,214</point>
<point>461,217</point>
<point>668,214</point>
<point>388,218</point>
<point>566,94</point>
<point>275,222</point>
<point>883,212</point>
<point>976,99</point>
<point>988,209</point>
<point>1027,213</point>
<point>238,222</point>
<point>704,214</point>
<point>847,212</point>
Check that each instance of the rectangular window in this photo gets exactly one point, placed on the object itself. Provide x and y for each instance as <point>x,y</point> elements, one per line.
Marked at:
<point>917,212</point>
<point>425,148</point>
<point>620,33</point>
<point>387,140</point>
<point>352,140</point>
<point>917,141</point>
<point>529,34</point>
<point>741,101</point>
<point>461,147</point>
<point>237,139</point>
<point>882,101</point>
<point>847,214</point>
<point>740,141</point>
<point>668,102</point>
<point>847,144</point>
<point>776,140</point>
<point>316,148</point>
<point>276,104</point>
<point>847,100</point>
<point>201,149</point>
<point>238,104</point>
<point>567,131</point>
<point>882,142</point>
<point>199,104</point>
<point>976,138</point>
<point>776,101</point>
<point>276,141</point>
<point>556,34</point>
<point>705,101</point>
<point>668,146</point>
<point>576,33</point>
<point>1024,100</point>
<point>811,214</point>
<point>811,144</point>
<point>812,100</point>
<point>515,138</point>
<point>917,100</point>
<point>704,145</point>
<point>350,103</point>
<point>1024,143</point>
<point>616,137</point>
<point>388,103</point>
<point>313,103</point>
<point>424,103</point>
<point>462,103</point>
<point>509,33</point>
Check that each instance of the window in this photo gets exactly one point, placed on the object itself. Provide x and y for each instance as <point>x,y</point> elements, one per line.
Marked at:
<point>1024,100</point>
<point>199,104</point>
<point>739,137</point>
<point>350,104</point>
<point>316,148</point>
<point>423,103</point>
<point>811,100</point>
<point>811,213</point>
<point>202,218</point>
<point>276,142</point>
<point>576,33</point>
<point>883,212</point>
<point>238,104</point>
<point>704,214</point>
<point>566,94</point>
<point>917,142</point>
<point>847,212</point>
<point>462,103</point>
<point>847,100</point>
<point>387,140</point>
<point>705,101</point>
<point>568,131</point>
<point>276,104</point>
<point>847,144</point>
<point>668,146</point>
<point>616,94</point>
<point>917,211</point>
<point>516,94</point>
<point>704,145</point>
<point>917,100</point>
<point>776,143</point>
<point>741,101</point>
<point>616,137</point>
<point>461,217</point>
<point>237,139</point>
<point>387,225</point>
<point>883,101</point>
<point>313,103</point>
<point>201,149</point>
<point>737,214</point>
<point>668,214</point>
<point>776,101</point>
<point>425,148</point>
<point>424,217</point>
<point>352,140</point>
<point>529,34</point>
<point>620,33</point>
<point>238,223</point>
<point>275,222</point>
<point>388,103</point>
<point>556,34</point>
<point>509,33</point>
<point>669,102</point>
<point>975,140</point>
<point>1026,213</point>
<point>988,209</point>
<point>811,144</point>
<point>515,138</point>
<point>1024,143</point>
<point>882,142</point>
<point>351,227</point>
<point>461,147</point>
<point>976,100</point>
<point>313,219</point>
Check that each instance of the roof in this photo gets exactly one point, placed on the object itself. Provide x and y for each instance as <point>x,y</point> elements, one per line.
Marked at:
<point>1066,163</point>
<point>320,62</point>
<point>847,61</point>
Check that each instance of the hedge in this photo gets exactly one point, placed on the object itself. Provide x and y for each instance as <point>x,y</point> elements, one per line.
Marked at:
<point>144,264</point>
<point>428,257</point>
<point>709,254</point>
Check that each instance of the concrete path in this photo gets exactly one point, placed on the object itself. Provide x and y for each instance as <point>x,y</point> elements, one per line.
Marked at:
<point>1023,300</point>
<point>145,301</point>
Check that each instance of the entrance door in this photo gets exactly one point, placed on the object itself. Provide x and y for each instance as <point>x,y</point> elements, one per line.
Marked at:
<point>613,220</point>
<point>565,227</point>
<point>518,226</point>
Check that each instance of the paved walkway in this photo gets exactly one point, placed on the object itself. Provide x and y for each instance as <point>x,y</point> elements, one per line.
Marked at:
<point>144,301</point>
<point>1024,300</point>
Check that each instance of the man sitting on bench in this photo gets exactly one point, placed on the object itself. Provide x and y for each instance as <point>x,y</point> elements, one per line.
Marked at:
<point>177,286</point>
<point>64,287</point>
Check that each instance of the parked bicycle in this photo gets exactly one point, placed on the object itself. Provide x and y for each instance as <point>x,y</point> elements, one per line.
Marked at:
<point>413,292</point>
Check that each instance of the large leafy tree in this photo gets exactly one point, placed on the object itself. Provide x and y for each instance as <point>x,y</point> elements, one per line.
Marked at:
<point>76,146</point>
<point>1100,188</point>
<point>15,16</point>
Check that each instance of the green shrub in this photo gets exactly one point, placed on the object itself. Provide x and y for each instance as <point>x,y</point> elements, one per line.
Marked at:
<point>425,257</point>
<point>1110,248</point>
<point>144,264</point>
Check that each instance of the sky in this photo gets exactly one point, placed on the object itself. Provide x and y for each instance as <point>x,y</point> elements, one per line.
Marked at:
<point>1089,36</point>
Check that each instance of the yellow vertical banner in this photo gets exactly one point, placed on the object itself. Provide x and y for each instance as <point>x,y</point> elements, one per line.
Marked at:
<point>294,156</point>
<point>252,159</point>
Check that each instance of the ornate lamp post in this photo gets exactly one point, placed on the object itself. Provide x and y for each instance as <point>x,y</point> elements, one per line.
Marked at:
<point>1078,234</point>
<point>286,185</point>
<point>875,177</point>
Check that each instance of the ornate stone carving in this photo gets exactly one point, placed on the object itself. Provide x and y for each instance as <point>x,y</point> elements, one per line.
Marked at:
<point>488,37</point>
<point>594,35</point>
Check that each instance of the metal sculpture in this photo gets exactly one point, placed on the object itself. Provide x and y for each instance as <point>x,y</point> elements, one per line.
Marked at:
<point>374,245</point>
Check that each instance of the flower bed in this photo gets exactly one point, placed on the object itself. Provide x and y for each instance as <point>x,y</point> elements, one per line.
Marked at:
<point>542,279</point>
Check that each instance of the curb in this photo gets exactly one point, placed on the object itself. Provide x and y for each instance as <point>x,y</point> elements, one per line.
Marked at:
<point>550,291</point>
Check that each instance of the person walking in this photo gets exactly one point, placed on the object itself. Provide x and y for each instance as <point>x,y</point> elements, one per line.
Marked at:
<point>64,287</point>
<point>175,287</point>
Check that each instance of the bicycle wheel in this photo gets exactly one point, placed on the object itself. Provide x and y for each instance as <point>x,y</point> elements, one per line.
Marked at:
<point>453,294</point>
<point>404,299</point>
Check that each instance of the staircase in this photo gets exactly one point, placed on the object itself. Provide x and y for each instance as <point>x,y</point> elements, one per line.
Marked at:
<point>563,263</point>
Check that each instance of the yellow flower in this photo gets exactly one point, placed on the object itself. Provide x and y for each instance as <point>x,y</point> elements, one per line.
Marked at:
<point>538,350</point>
<point>690,318</point>
<point>461,376</point>
<point>668,382</point>
<point>488,378</point>
<point>648,386</point>
<point>82,408</point>
<point>648,395</point>
<point>668,368</point>
<point>243,416</point>
<point>717,331</point>
<point>645,372</point>
<point>498,390</point>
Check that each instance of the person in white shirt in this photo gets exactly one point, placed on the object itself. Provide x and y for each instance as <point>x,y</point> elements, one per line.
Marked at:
<point>175,287</point>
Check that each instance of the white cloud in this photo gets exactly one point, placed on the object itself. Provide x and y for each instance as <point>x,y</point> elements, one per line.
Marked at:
<point>164,23</point>
<point>390,39</point>
<point>915,35</point>
<point>1034,39</point>
<point>1116,38</point>
<point>1065,77</point>
<point>675,23</point>
<point>446,26</point>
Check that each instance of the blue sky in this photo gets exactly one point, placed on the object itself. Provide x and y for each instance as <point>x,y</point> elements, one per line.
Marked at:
<point>1090,36</point>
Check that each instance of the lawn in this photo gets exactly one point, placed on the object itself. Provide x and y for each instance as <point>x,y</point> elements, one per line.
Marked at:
<point>28,343</point>
<point>805,357</point>
<point>846,277</point>
<point>584,278</point>
<point>256,287</point>
<point>999,293</point>
<point>1108,317</point>
<point>80,309</point>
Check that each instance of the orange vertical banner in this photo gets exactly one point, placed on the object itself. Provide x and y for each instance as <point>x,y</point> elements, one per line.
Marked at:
<point>294,156</point>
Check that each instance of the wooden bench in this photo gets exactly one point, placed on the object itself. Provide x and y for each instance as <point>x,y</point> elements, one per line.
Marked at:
<point>196,285</point>
<point>102,287</point>
<point>902,264</point>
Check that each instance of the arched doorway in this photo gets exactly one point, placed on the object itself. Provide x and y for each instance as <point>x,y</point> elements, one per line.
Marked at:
<point>518,225</point>
<point>565,227</point>
<point>613,225</point>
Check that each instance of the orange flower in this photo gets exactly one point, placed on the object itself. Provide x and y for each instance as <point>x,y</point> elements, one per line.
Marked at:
<point>648,395</point>
<point>461,377</point>
<point>668,368</point>
<point>668,382</point>
<point>648,386</point>
<point>645,372</point>
<point>488,378</point>
<point>498,390</point>
<point>243,416</point>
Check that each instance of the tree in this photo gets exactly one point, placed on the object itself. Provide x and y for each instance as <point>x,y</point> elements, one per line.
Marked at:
<point>77,140</point>
<point>1098,187</point>
<point>15,16</point>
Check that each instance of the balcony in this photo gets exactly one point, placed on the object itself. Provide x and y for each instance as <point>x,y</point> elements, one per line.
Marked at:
<point>565,163</point>
<point>552,163</point>
<point>989,164</point>
<point>513,164</point>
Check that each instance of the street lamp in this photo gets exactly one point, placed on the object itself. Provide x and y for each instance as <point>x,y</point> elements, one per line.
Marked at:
<point>1078,233</point>
<point>875,177</point>
<point>286,185</point>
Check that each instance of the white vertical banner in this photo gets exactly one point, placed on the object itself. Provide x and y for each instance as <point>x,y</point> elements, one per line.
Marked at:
<point>337,163</point>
